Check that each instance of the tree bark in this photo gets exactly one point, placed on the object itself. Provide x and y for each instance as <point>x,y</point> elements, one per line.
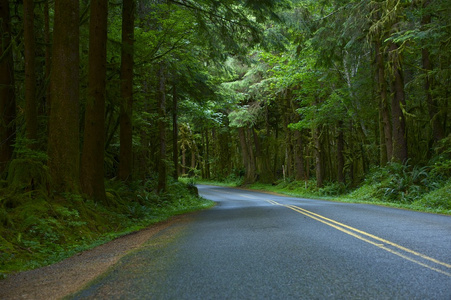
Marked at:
<point>161,94</point>
<point>318,157</point>
<point>175,150</point>
<point>207,155</point>
<point>383,104</point>
<point>126,130</point>
<point>92,159</point>
<point>48,48</point>
<point>340,153</point>
<point>31,110</point>
<point>249,173</point>
<point>398,99</point>
<point>7,96</point>
<point>63,143</point>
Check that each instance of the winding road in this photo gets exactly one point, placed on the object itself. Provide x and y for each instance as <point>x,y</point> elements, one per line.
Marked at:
<point>254,245</point>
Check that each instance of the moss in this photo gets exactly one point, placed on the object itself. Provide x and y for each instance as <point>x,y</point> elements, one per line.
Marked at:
<point>28,175</point>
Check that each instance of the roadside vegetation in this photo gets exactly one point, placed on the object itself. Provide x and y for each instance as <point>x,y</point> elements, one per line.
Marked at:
<point>426,188</point>
<point>38,228</point>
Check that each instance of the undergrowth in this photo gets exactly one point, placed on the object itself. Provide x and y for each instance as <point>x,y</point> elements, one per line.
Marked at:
<point>38,227</point>
<point>423,188</point>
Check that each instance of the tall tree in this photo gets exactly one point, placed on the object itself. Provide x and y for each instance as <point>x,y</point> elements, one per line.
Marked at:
<point>31,111</point>
<point>161,95</point>
<point>7,96</point>
<point>63,143</point>
<point>92,159</point>
<point>397,102</point>
<point>126,130</point>
<point>175,148</point>
<point>384,110</point>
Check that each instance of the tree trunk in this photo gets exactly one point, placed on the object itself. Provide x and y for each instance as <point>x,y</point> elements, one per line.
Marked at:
<point>340,153</point>
<point>63,143</point>
<point>175,150</point>
<point>318,157</point>
<point>7,96</point>
<point>48,48</point>
<point>207,155</point>
<point>383,104</point>
<point>161,94</point>
<point>398,118</point>
<point>31,110</point>
<point>249,173</point>
<point>126,130</point>
<point>92,159</point>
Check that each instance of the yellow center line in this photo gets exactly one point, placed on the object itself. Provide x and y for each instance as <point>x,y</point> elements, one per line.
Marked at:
<point>353,232</point>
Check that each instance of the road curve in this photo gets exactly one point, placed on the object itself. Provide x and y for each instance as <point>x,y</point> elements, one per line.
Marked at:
<point>260,246</point>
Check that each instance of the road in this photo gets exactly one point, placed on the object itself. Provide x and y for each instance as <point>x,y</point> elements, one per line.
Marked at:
<point>261,246</point>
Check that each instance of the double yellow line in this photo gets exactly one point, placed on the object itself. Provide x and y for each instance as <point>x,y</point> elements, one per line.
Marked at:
<point>408,254</point>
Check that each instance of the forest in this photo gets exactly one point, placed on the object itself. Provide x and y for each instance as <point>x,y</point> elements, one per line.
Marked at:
<point>110,111</point>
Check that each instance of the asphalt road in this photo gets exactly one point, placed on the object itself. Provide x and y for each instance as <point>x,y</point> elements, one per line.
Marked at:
<point>260,246</point>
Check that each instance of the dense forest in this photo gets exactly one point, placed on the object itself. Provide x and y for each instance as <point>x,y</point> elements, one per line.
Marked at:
<point>106,105</point>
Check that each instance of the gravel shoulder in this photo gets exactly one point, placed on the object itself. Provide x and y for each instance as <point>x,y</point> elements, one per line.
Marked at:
<point>70,275</point>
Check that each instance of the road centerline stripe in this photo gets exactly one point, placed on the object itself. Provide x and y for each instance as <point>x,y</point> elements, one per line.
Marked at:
<point>360,235</point>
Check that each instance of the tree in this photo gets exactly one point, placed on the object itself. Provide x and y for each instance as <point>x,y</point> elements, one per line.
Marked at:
<point>92,159</point>
<point>126,109</point>
<point>161,95</point>
<point>31,111</point>
<point>63,143</point>
<point>7,95</point>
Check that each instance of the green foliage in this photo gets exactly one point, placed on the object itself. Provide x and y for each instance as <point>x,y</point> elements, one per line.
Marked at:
<point>27,174</point>
<point>437,199</point>
<point>37,229</point>
<point>399,183</point>
<point>332,189</point>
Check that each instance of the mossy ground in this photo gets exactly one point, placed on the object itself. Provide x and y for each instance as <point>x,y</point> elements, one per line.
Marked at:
<point>38,228</point>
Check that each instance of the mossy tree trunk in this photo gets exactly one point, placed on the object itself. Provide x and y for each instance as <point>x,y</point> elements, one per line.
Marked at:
<point>384,108</point>
<point>318,156</point>
<point>31,111</point>
<point>92,159</point>
<point>63,143</point>
<point>126,130</point>
<point>48,48</point>
<point>340,153</point>
<point>398,100</point>
<point>7,96</point>
<point>175,150</point>
<point>161,95</point>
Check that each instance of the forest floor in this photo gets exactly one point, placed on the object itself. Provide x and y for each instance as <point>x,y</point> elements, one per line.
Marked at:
<point>70,275</point>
